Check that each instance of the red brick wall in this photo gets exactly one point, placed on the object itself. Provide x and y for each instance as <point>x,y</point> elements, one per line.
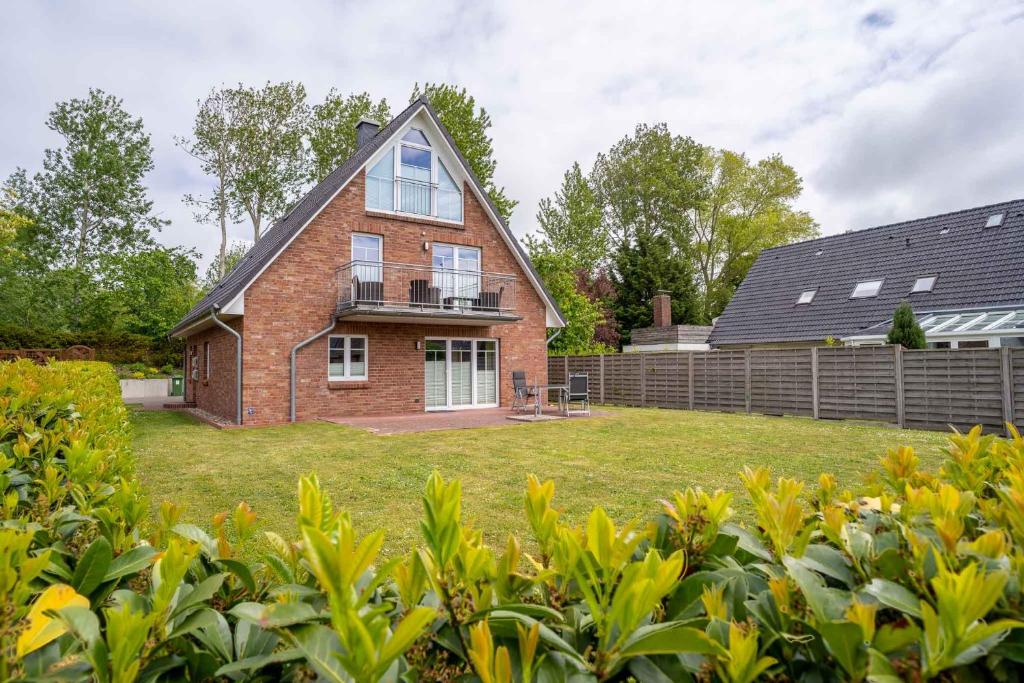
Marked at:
<point>662,310</point>
<point>216,393</point>
<point>295,298</point>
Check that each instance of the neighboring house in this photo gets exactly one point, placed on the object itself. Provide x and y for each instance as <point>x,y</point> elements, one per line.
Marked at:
<point>663,335</point>
<point>392,286</point>
<point>962,272</point>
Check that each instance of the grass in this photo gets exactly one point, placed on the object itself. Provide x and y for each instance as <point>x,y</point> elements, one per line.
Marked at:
<point>625,461</point>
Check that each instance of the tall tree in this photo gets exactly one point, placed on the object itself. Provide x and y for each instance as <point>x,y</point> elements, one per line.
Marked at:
<point>745,207</point>
<point>90,194</point>
<point>332,128</point>
<point>571,222</point>
<point>270,170</point>
<point>582,316</point>
<point>150,291</point>
<point>645,266</point>
<point>12,222</point>
<point>468,125</point>
<point>214,143</point>
<point>233,255</point>
<point>647,182</point>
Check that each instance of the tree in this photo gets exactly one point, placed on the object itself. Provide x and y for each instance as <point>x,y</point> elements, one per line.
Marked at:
<point>651,262</point>
<point>905,330</point>
<point>214,143</point>
<point>90,195</point>
<point>270,170</point>
<point>647,183</point>
<point>468,126</point>
<point>744,208</point>
<point>12,223</point>
<point>582,316</point>
<point>232,256</point>
<point>571,222</point>
<point>332,129</point>
<point>150,291</point>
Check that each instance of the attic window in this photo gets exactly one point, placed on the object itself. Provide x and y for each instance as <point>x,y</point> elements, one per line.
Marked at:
<point>819,252</point>
<point>866,289</point>
<point>410,178</point>
<point>994,221</point>
<point>924,284</point>
<point>807,297</point>
<point>944,231</point>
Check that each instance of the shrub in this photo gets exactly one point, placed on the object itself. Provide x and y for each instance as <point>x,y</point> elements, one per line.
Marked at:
<point>112,347</point>
<point>917,575</point>
<point>905,329</point>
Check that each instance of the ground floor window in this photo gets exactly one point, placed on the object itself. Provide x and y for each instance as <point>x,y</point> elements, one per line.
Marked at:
<point>346,358</point>
<point>461,373</point>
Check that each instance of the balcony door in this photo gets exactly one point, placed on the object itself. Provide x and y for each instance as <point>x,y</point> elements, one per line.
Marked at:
<point>461,373</point>
<point>367,269</point>
<point>457,274</point>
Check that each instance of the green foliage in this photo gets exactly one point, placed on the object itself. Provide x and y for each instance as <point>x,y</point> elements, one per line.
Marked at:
<point>332,129</point>
<point>468,126</point>
<point>582,316</point>
<point>915,576</point>
<point>905,330</point>
<point>745,207</point>
<point>110,346</point>
<point>571,224</point>
<point>232,255</point>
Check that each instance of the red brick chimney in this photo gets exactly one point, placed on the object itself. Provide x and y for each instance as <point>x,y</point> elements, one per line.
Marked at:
<point>662,309</point>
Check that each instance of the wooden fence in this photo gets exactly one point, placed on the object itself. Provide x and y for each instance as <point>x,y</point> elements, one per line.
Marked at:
<point>927,389</point>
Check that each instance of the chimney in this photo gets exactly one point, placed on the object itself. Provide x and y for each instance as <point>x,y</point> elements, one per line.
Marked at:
<point>365,130</point>
<point>662,309</point>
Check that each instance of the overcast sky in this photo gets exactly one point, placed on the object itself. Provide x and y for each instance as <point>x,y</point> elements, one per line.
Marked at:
<point>889,111</point>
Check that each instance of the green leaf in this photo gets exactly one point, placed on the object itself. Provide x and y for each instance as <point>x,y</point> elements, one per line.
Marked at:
<point>880,670</point>
<point>826,603</point>
<point>828,561</point>
<point>895,636</point>
<point>194,533</point>
<point>201,592</point>
<point>242,571</point>
<point>747,541</point>
<point>322,650</point>
<point>894,596</point>
<point>131,562</point>
<point>535,611</point>
<point>92,566</point>
<point>276,615</point>
<point>82,622</point>
<point>502,624</point>
<point>658,670</point>
<point>844,640</point>
<point>201,618</point>
<point>672,637</point>
<point>260,661</point>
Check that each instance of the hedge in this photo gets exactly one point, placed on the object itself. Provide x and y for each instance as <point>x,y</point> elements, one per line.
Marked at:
<point>119,348</point>
<point>915,576</point>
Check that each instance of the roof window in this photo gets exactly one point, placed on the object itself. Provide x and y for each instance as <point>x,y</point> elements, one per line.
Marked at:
<point>819,252</point>
<point>994,221</point>
<point>807,297</point>
<point>866,289</point>
<point>924,284</point>
<point>944,231</point>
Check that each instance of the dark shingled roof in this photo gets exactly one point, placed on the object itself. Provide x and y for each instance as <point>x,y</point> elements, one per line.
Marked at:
<point>266,249</point>
<point>976,266</point>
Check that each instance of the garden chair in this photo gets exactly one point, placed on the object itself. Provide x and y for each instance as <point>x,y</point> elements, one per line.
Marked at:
<point>579,392</point>
<point>522,392</point>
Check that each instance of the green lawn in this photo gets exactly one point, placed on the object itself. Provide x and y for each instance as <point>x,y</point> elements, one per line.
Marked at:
<point>625,462</point>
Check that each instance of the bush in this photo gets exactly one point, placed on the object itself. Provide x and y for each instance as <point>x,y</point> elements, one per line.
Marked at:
<point>918,575</point>
<point>905,330</point>
<point>112,347</point>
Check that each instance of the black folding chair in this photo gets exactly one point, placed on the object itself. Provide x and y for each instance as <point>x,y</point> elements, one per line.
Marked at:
<point>579,392</point>
<point>522,392</point>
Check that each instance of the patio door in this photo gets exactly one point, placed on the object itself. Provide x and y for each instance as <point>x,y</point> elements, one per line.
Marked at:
<point>461,373</point>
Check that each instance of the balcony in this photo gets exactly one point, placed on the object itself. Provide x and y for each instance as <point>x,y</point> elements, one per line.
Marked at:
<point>404,292</point>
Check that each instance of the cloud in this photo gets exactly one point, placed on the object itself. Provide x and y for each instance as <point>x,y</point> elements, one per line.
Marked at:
<point>888,110</point>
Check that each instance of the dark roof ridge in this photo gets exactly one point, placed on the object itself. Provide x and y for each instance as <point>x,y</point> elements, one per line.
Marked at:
<point>857,231</point>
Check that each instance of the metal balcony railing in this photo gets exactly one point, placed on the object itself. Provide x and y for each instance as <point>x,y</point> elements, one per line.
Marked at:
<point>420,288</point>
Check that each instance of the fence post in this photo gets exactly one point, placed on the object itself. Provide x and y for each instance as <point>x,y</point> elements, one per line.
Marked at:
<point>643,380</point>
<point>565,374</point>
<point>814,382</point>
<point>1006,368</point>
<point>689,381</point>
<point>746,378</point>
<point>602,379</point>
<point>897,351</point>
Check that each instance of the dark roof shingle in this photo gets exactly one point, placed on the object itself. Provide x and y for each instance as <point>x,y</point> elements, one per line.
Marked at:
<point>975,265</point>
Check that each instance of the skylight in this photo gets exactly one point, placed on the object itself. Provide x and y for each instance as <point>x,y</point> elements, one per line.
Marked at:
<point>807,297</point>
<point>924,284</point>
<point>866,289</point>
<point>944,231</point>
<point>994,221</point>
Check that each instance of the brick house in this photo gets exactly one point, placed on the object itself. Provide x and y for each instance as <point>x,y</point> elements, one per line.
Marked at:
<point>393,286</point>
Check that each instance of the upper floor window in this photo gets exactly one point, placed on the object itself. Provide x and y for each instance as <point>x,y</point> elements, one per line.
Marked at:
<point>924,284</point>
<point>412,179</point>
<point>866,289</point>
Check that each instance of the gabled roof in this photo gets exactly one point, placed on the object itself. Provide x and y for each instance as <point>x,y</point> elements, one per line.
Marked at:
<point>977,266</point>
<point>283,231</point>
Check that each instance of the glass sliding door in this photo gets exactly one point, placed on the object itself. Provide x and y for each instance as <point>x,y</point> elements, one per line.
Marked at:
<point>461,373</point>
<point>436,374</point>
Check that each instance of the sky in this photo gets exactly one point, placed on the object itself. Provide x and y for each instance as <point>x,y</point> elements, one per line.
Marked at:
<point>888,110</point>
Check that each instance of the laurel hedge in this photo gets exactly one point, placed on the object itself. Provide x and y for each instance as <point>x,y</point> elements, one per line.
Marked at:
<point>916,575</point>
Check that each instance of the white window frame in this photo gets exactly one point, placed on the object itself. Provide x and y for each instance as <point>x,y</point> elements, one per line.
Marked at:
<point>448,373</point>
<point>878,289</point>
<point>347,355</point>
<point>800,299</point>
<point>918,280</point>
<point>435,159</point>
